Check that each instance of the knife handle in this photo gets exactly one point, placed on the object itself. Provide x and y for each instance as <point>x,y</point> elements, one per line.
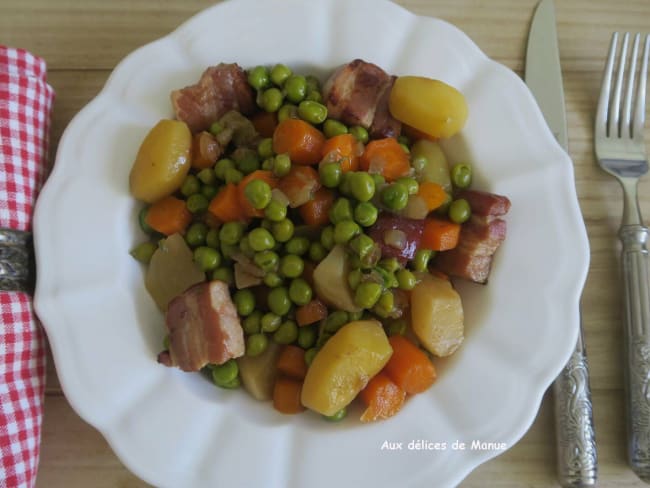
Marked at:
<point>637,346</point>
<point>576,442</point>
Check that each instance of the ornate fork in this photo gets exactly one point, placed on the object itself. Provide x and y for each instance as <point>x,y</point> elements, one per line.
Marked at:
<point>620,150</point>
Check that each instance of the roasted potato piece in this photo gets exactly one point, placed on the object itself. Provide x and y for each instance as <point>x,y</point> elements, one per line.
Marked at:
<point>258,373</point>
<point>435,167</point>
<point>331,280</point>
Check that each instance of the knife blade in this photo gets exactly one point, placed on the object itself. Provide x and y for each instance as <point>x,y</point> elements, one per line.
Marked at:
<point>577,460</point>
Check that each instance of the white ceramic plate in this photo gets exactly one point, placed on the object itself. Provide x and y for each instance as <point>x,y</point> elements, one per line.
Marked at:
<point>175,429</point>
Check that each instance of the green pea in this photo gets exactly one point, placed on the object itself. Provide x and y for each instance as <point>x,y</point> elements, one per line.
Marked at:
<point>380,181</point>
<point>341,210</point>
<point>278,301</point>
<point>360,133</point>
<point>286,333</point>
<point>313,83</point>
<point>327,237</point>
<point>396,327</point>
<point>287,111</point>
<point>459,211</point>
<point>261,239</point>
<point>228,250</point>
<point>207,176</point>
<point>295,88</point>
<point>221,166</point>
<point>420,261</point>
<point>258,77</point>
<point>280,73</point>
<point>190,186</point>
<point>270,322</point>
<point>248,163</point>
<point>244,301</point>
<point>385,304</point>
<point>256,344</point>
<point>258,193</point>
<point>226,373</point>
<point>344,184</point>
<point>266,260</point>
<point>253,323</point>
<point>209,191</point>
<point>272,279</point>
<point>275,211</point>
<point>354,278</point>
<point>231,232</point>
<point>212,238</point>
<point>335,321</point>
<point>336,417</point>
<point>411,185</point>
<point>142,220</point>
<point>207,258</point>
<point>197,203</point>
<point>196,234</point>
<point>395,196</point>
<point>365,214</point>
<point>265,148</point>
<point>306,337</point>
<point>310,354</point>
<point>367,294</point>
<point>317,252</point>
<point>405,279</point>
<point>291,266</point>
<point>345,230</point>
<point>358,315</point>
<point>461,175</point>
<point>333,128</point>
<point>362,245</point>
<point>272,99</point>
<point>245,247</point>
<point>281,165</point>
<point>282,230</point>
<point>224,274</point>
<point>313,112</point>
<point>216,128</point>
<point>143,252</point>
<point>314,96</point>
<point>300,292</point>
<point>330,174</point>
<point>297,245</point>
<point>362,186</point>
<point>390,264</point>
<point>233,175</point>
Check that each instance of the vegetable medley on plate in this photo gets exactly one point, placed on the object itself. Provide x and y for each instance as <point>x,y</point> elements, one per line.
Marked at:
<point>302,238</point>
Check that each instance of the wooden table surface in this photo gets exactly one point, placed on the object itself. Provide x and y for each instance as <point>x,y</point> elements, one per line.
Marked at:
<point>83,40</point>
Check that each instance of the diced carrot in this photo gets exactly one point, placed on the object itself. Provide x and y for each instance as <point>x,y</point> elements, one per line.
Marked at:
<point>246,205</point>
<point>291,362</point>
<point>301,140</point>
<point>168,216</point>
<point>265,123</point>
<point>286,395</point>
<point>316,210</point>
<point>382,397</point>
<point>433,194</point>
<point>386,157</point>
<point>225,205</point>
<point>416,134</point>
<point>439,234</point>
<point>205,150</point>
<point>311,312</point>
<point>409,367</point>
<point>345,149</point>
<point>300,185</point>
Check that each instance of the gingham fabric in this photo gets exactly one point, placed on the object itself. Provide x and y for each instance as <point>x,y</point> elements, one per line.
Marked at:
<point>25,104</point>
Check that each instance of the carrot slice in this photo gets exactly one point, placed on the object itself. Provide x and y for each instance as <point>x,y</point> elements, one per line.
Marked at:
<point>382,397</point>
<point>265,123</point>
<point>300,185</point>
<point>345,149</point>
<point>311,312</point>
<point>385,157</point>
<point>433,194</point>
<point>286,395</point>
<point>409,367</point>
<point>316,210</point>
<point>440,235</point>
<point>225,205</point>
<point>168,216</point>
<point>291,362</point>
<point>301,140</point>
<point>246,206</point>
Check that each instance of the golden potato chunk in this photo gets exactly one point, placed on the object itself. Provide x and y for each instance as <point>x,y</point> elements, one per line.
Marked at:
<point>331,280</point>
<point>345,364</point>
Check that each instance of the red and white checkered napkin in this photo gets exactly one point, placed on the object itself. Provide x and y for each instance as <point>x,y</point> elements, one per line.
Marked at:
<point>25,104</point>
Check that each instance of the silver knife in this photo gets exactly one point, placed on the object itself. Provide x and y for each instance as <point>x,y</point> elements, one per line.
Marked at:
<point>576,445</point>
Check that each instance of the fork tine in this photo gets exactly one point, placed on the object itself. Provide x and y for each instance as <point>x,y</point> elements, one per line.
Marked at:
<point>603,101</point>
<point>639,109</point>
<point>615,109</point>
<point>626,129</point>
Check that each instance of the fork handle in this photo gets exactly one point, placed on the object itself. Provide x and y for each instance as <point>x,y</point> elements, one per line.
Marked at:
<point>637,345</point>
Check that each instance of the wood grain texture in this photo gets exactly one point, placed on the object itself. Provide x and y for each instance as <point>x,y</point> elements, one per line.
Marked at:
<point>83,41</point>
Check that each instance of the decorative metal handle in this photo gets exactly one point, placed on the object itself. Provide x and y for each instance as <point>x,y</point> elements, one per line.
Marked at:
<point>17,267</point>
<point>576,441</point>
